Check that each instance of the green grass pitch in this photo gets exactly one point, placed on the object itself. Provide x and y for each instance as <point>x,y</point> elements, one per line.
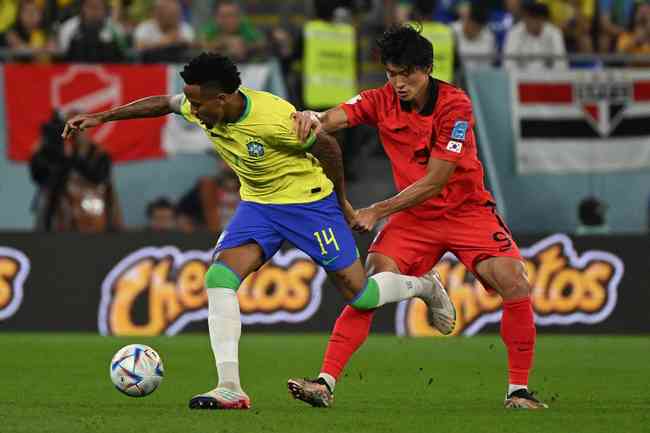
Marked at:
<point>60,383</point>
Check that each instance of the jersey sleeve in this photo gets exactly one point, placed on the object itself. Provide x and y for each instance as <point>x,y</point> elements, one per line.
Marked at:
<point>454,133</point>
<point>362,109</point>
<point>186,111</point>
<point>283,135</point>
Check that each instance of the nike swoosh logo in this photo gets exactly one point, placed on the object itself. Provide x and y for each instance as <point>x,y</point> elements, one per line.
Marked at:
<point>327,262</point>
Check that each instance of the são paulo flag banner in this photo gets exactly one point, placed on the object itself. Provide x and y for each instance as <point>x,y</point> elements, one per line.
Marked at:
<point>33,92</point>
<point>581,121</point>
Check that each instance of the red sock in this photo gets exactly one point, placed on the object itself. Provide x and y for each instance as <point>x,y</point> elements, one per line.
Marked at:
<point>350,331</point>
<point>518,334</point>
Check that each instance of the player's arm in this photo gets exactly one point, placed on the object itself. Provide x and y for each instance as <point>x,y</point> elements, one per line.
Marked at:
<point>329,121</point>
<point>328,152</point>
<point>438,173</point>
<point>362,109</point>
<point>152,106</point>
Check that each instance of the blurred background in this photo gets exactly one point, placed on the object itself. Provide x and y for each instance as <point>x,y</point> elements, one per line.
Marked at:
<point>561,96</point>
<point>274,43</point>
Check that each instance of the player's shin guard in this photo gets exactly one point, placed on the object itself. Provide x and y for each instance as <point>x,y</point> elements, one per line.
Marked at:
<point>350,331</point>
<point>518,334</point>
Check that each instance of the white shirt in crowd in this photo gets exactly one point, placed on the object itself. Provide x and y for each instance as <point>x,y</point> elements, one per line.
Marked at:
<point>483,44</point>
<point>149,32</point>
<point>549,42</point>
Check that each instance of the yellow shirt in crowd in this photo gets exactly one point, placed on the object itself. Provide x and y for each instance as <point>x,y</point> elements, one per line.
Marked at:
<point>563,11</point>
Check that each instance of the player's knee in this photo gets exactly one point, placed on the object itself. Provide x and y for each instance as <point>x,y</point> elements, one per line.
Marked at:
<point>516,286</point>
<point>220,276</point>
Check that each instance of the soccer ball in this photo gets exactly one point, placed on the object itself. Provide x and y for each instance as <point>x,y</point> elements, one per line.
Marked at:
<point>136,370</point>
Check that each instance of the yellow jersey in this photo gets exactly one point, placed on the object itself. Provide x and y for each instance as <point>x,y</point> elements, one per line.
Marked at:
<point>273,166</point>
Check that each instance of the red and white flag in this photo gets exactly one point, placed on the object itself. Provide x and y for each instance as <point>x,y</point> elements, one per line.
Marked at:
<point>32,92</point>
<point>581,121</point>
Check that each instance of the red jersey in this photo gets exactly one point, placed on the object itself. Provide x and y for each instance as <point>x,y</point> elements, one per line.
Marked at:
<point>443,130</point>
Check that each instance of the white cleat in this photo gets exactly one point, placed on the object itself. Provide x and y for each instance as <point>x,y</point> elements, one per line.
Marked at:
<point>441,310</point>
<point>221,398</point>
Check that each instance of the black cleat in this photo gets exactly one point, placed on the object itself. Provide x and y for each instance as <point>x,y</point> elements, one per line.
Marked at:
<point>314,392</point>
<point>523,399</point>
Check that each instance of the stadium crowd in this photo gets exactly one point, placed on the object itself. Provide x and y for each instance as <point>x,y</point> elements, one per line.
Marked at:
<point>169,30</point>
<point>154,31</point>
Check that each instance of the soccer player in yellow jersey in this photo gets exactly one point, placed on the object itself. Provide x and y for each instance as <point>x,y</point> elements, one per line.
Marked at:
<point>290,191</point>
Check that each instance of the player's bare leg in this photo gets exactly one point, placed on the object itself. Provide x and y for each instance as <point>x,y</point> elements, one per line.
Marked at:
<point>222,280</point>
<point>508,277</point>
<point>364,295</point>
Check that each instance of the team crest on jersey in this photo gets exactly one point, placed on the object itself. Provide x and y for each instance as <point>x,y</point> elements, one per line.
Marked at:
<point>255,149</point>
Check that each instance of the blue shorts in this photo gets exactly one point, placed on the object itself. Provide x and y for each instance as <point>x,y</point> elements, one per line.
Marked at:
<point>319,229</point>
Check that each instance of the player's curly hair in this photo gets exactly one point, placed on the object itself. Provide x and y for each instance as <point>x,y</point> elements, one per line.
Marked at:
<point>214,70</point>
<point>405,46</point>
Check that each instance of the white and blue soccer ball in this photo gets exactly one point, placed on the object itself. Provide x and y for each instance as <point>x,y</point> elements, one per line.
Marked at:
<point>136,370</point>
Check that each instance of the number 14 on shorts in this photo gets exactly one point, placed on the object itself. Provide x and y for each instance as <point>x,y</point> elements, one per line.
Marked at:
<point>327,236</point>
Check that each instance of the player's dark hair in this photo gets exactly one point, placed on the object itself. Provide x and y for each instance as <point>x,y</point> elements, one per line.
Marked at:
<point>213,70</point>
<point>405,46</point>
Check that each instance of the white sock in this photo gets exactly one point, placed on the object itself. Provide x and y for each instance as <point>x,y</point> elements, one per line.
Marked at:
<point>329,379</point>
<point>514,387</point>
<point>224,323</point>
<point>396,287</point>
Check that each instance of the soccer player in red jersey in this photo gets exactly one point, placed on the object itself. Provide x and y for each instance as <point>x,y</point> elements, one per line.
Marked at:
<point>426,127</point>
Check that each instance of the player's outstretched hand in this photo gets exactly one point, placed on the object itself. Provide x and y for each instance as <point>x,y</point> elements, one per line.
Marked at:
<point>306,122</point>
<point>79,123</point>
<point>366,219</point>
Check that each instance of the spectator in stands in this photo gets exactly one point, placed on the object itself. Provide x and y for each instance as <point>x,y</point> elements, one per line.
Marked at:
<point>8,14</point>
<point>614,17</point>
<point>165,37</point>
<point>211,202</point>
<point>473,37</point>
<point>574,19</point>
<point>76,192</point>
<point>28,38</point>
<point>56,12</point>
<point>161,215</point>
<point>232,34</point>
<point>130,13</point>
<point>92,36</point>
<point>502,20</point>
<point>637,41</point>
<point>535,36</point>
<point>446,11</point>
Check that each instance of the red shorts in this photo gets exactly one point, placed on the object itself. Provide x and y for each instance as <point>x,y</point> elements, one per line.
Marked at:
<point>473,233</point>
